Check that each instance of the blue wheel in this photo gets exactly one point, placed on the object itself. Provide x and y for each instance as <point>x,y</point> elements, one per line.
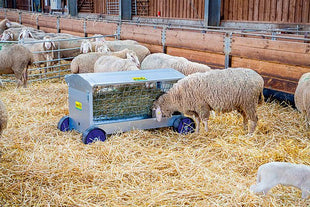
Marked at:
<point>63,124</point>
<point>93,134</point>
<point>184,125</point>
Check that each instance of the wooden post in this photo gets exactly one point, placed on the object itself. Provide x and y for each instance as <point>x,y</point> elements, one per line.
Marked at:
<point>212,12</point>
<point>73,8</point>
<point>125,9</point>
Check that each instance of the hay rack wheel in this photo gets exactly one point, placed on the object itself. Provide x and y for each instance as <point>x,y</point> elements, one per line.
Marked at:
<point>184,125</point>
<point>64,124</point>
<point>93,134</point>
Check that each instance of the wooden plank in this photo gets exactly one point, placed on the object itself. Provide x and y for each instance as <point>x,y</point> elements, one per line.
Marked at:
<point>204,42</point>
<point>245,11</point>
<point>47,21</point>
<point>104,28</point>
<point>79,34</point>
<point>251,10</point>
<point>273,9</point>
<point>285,11</point>
<point>28,18</point>
<point>261,13</point>
<point>279,10</point>
<point>266,54</point>
<point>305,11</point>
<point>292,11</point>
<point>144,34</point>
<point>226,9</point>
<point>75,25</point>
<point>2,14</point>
<point>153,48</point>
<point>213,60</point>
<point>48,29</point>
<point>267,10</point>
<point>298,14</point>
<point>256,10</point>
<point>282,71</point>
<point>235,10</point>
<point>12,16</point>
<point>239,10</point>
<point>230,11</point>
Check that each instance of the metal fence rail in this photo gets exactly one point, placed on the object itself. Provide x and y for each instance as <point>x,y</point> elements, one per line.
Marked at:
<point>40,70</point>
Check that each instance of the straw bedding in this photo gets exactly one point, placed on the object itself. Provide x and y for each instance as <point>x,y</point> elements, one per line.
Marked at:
<point>41,166</point>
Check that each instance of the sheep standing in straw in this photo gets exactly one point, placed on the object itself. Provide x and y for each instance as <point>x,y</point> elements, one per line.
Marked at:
<point>302,97</point>
<point>15,60</point>
<point>219,90</point>
<point>274,173</point>
<point>3,117</point>
<point>181,64</point>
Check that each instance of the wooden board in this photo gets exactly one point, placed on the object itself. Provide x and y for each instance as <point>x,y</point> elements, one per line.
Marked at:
<point>292,53</point>
<point>48,30</point>
<point>80,34</point>
<point>12,16</point>
<point>153,48</point>
<point>213,60</point>
<point>73,25</point>
<point>104,28</point>
<point>29,19</point>
<point>195,40</point>
<point>47,21</point>
<point>146,34</point>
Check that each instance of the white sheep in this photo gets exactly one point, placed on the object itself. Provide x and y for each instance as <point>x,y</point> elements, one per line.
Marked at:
<point>113,63</point>
<point>140,50</point>
<point>181,64</point>
<point>4,24</point>
<point>302,97</point>
<point>84,63</point>
<point>89,46</point>
<point>219,90</point>
<point>3,117</point>
<point>15,60</point>
<point>284,173</point>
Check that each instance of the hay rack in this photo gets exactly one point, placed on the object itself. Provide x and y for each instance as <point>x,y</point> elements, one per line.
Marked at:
<point>106,103</point>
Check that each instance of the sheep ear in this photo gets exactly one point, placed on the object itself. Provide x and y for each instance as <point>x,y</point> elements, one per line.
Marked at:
<point>31,34</point>
<point>53,44</point>
<point>11,35</point>
<point>159,114</point>
<point>90,46</point>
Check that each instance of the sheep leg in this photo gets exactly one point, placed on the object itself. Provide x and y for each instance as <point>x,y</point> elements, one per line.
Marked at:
<point>205,114</point>
<point>261,188</point>
<point>196,119</point>
<point>245,119</point>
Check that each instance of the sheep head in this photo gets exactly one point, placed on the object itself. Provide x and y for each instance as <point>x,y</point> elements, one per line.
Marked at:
<point>162,107</point>
<point>86,46</point>
<point>24,34</point>
<point>7,36</point>
<point>48,44</point>
<point>131,55</point>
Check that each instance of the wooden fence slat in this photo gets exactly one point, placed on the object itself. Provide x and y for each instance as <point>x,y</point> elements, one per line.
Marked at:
<point>273,8</point>
<point>251,10</point>
<point>75,25</point>
<point>305,11</point>
<point>104,28</point>
<point>298,11</point>
<point>256,10</point>
<point>279,10</point>
<point>143,34</point>
<point>292,12</point>
<point>195,40</point>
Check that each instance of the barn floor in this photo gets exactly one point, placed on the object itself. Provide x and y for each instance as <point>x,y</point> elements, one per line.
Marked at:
<point>39,165</point>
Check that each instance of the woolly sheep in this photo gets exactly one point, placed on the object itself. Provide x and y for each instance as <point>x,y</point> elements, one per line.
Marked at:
<point>89,46</point>
<point>15,60</point>
<point>140,50</point>
<point>3,117</point>
<point>70,47</point>
<point>4,24</point>
<point>302,97</point>
<point>112,63</point>
<point>84,63</point>
<point>181,64</point>
<point>274,173</point>
<point>219,90</point>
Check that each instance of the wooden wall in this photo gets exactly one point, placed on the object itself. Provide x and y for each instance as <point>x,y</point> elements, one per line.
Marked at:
<point>293,11</point>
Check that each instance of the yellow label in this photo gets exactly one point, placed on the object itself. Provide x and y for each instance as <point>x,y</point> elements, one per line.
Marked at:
<point>78,105</point>
<point>139,78</point>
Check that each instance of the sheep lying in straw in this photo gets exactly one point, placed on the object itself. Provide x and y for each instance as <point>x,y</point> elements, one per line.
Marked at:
<point>89,46</point>
<point>113,63</point>
<point>181,64</point>
<point>302,97</point>
<point>4,24</point>
<point>84,63</point>
<point>3,117</point>
<point>274,173</point>
<point>15,60</point>
<point>219,90</point>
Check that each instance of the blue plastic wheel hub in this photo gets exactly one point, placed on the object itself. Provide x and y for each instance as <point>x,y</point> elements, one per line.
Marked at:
<point>93,134</point>
<point>64,124</point>
<point>184,125</point>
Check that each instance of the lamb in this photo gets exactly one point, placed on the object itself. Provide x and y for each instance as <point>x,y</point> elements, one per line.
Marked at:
<point>88,46</point>
<point>3,117</point>
<point>112,63</point>
<point>84,63</point>
<point>181,64</point>
<point>226,90</point>
<point>15,60</point>
<point>302,97</point>
<point>140,50</point>
<point>274,173</point>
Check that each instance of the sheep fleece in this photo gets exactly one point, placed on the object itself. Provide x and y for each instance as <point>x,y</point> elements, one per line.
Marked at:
<point>220,90</point>
<point>302,95</point>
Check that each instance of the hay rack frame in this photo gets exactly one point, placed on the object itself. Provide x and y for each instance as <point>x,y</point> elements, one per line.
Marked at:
<point>106,103</point>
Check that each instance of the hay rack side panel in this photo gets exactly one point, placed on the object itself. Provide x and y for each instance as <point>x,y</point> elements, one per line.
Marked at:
<point>106,103</point>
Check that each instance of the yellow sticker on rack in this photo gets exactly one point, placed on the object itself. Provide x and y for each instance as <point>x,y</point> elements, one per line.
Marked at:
<point>139,78</point>
<point>78,105</point>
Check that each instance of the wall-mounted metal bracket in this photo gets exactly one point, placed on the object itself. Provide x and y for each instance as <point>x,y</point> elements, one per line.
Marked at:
<point>227,49</point>
<point>163,39</point>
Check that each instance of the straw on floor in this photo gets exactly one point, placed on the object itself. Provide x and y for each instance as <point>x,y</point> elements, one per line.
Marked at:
<point>42,166</point>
